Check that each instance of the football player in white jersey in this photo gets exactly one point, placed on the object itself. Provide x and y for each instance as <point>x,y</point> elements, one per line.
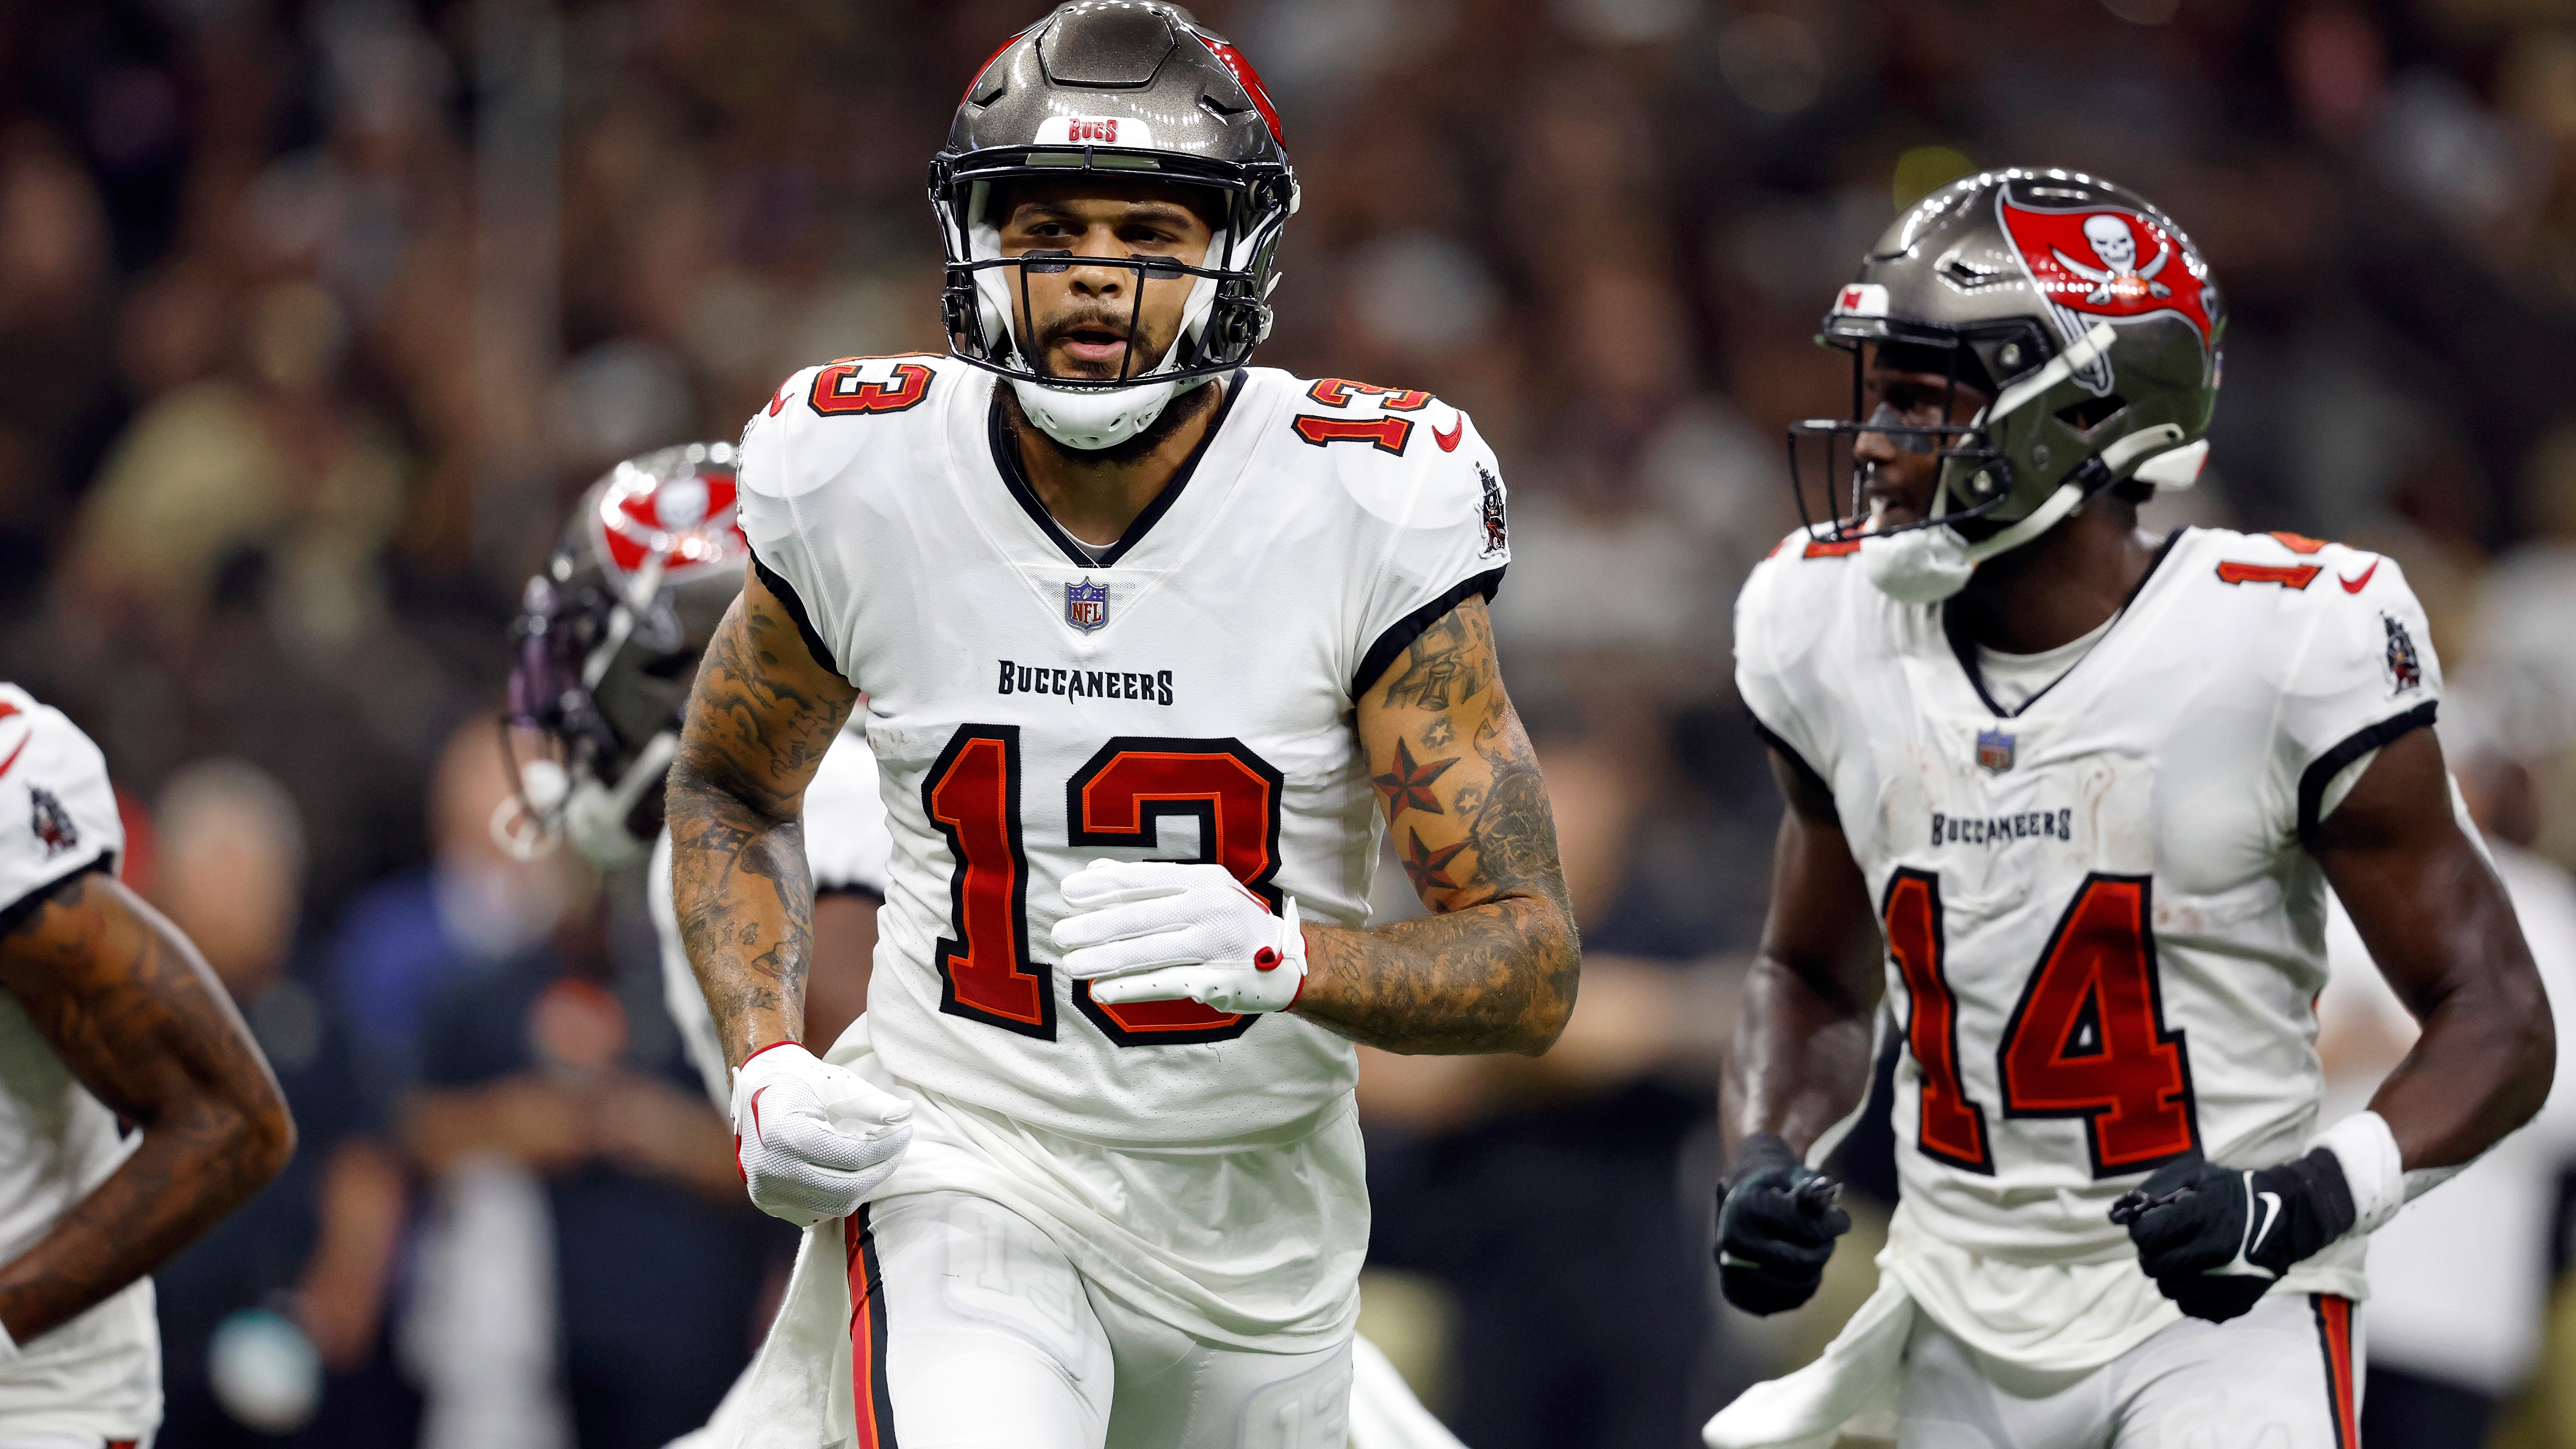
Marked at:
<point>110,1023</point>
<point>608,638</point>
<point>2090,786</point>
<point>1153,645</point>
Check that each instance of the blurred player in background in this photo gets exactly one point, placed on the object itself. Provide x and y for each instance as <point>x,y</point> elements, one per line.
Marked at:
<point>1096,1148</point>
<point>2093,786</point>
<point>111,1023</point>
<point>608,641</point>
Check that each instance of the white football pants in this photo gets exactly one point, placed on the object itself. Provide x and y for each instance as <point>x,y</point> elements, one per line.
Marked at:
<point>970,1329</point>
<point>2287,1375</point>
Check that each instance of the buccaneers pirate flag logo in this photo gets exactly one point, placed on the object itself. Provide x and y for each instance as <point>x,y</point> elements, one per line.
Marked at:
<point>2107,262</point>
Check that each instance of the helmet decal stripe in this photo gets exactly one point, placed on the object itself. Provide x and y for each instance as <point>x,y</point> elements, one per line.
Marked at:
<point>1232,59</point>
<point>978,78</point>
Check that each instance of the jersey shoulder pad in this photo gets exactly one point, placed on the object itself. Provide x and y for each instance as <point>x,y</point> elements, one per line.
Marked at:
<point>2286,567</point>
<point>2333,631</point>
<point>57,810</point>
<point>1402,455</point>
<point>1795,609</point>
<point>1796,581</point>
<point>823,416</point>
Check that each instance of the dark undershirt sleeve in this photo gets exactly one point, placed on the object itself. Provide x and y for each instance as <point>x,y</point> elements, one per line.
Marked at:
<point>795,607</point>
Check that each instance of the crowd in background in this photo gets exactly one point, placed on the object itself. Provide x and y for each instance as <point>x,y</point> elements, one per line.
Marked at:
<point>315,316</point>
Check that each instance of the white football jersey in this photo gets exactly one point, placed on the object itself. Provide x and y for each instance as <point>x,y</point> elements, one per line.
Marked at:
<point>2105,940</point>
<point>99,1374</point>
<point>845,850</point>
<point>1186,694</point>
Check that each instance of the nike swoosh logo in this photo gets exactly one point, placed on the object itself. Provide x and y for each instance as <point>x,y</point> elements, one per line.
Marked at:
<point>2354,586</point>
<point>755,1117</point>
<point>2271,1215</point>
<point>1448,441</point>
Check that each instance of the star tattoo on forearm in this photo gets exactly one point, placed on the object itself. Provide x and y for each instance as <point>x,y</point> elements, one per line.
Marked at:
<point>1408,785</point>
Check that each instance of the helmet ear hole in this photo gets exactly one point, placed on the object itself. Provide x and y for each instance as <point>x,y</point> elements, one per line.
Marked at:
<point>2092,412</point>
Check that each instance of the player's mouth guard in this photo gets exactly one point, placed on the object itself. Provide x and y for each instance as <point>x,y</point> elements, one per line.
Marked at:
<point>1924,565</point>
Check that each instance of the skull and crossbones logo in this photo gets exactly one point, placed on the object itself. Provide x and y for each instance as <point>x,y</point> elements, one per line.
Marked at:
<point>2116,247</point>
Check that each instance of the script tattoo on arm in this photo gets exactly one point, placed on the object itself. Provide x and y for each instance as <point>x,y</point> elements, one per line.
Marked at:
<point>1494,967</point>
<point>761,714</point>
<point>135,1015</point>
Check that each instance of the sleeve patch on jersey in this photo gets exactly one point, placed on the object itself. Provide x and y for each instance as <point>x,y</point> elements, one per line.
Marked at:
<point>1409,628</point>
<point>2288,576</point>
<point>2321,773</point>
<point>2404,667</point>
<point>51,823</point>
<point>795,606</point>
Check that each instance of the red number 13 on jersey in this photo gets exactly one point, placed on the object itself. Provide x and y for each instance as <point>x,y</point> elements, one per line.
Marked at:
<point>1117,799</point>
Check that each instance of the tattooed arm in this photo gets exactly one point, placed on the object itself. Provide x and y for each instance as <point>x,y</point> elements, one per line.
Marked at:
<point>1493,967</point>
<point>137,1018</point>
<point>760,716</point>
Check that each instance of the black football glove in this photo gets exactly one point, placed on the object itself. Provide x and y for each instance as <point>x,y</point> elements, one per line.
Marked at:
<point>2215,1238</point>
<point>1776,1225</point>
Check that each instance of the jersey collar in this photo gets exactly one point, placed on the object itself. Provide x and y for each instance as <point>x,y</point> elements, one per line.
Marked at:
<point>1964,649</point>
<point>1006,461</point>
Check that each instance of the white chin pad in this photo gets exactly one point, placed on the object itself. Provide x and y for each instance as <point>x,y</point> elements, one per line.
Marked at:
<point>2177,469</point>
<point>1918,566</point>
<point>1089,419</point>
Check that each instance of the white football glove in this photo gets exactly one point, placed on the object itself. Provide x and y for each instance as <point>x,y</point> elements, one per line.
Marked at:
<point>1161,931</point>
<point>812,1140</point>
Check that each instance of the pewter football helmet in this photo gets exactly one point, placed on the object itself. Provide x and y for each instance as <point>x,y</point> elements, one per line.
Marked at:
<point>1124,89</point>
<point>607,641</point>
<point>2081,312</point>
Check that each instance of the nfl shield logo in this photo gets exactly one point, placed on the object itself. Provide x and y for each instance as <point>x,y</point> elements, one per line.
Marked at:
<point>1994,751</point>
<point>1086,605</point>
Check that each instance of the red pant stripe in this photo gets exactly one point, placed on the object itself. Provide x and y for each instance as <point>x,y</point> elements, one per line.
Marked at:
<point>2334,1336</point>
<point>869,1392</point>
